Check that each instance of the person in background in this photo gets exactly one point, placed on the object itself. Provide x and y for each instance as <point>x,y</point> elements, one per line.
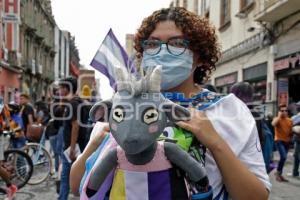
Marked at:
<point>292,108</point>
<point>27,111</point>
<point>86,93</point>
<point>67,90</point>
<point>55,133</point>
<point>86,96</point>
<point>296,140</point>
<point>4,175</point>
<point>17,96</point>
<point>42,112</point>
<point>269,119</point>
<point>283,133</point>
<point>244,91</point>
<point>15,124</point>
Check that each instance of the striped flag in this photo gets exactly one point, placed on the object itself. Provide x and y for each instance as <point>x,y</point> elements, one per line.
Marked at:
<point>111,55</point>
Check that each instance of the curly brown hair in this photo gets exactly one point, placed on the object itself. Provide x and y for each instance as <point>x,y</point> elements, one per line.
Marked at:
<point>200,33</point>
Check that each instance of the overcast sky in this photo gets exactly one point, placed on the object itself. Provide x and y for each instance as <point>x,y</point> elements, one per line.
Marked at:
<point>90,20</point>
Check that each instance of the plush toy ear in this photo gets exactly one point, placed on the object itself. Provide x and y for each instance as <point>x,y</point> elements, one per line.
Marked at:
<point>100,111</point>
<point>176,112</point>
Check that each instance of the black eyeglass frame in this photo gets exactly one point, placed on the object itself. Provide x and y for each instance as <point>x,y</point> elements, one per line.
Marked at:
<point>185,41</point>
<point>283,110</point>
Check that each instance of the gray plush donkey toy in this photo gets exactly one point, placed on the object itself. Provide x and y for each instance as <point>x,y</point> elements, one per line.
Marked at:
<point>142,165</point>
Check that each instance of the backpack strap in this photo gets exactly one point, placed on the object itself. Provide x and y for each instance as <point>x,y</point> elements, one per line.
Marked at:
<point>201,101</point>
<point>223,192</point>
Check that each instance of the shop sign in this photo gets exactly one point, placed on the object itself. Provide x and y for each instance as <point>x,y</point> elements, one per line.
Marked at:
<point>283,91</point>
<point>226,80</point>
<point>10,18</point>
<point>286,62</point>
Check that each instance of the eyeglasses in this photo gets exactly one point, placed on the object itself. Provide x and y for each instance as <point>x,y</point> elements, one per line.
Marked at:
<point>175,46</point>
<point>283,110</point>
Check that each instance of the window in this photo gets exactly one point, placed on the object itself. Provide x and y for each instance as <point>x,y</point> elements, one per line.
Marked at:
<point>185,4</point>
<point>245,3</point>
<point>205,5</point>
<point>28,48</point>
<point>36,54</point>
<point>225,13</point>
<point>196,7</point>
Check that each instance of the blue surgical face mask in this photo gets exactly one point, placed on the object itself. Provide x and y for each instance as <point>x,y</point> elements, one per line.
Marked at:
<point>175,69</point>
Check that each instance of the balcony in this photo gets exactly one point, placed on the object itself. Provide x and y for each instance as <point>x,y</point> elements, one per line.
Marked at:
<point>274,10</point>
<point>14,59</point>
<point>49,76</point>
<point>30,66</point>
<point>39,68</point>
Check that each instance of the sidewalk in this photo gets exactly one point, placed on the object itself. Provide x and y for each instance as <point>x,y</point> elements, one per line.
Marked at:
<point>285,190</point>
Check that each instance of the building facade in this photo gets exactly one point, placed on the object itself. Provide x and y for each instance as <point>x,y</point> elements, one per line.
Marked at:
<point>74,58</point>
<point>62,56</point>
<point>283,18</point>
<point>10,56</point>
<point>37,47</point>
<point>260,45</point>
<point>129,45</point>
<point>191,5</point>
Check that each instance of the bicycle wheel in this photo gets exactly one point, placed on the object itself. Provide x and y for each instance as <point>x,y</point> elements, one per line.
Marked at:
<point>19,165</point>
<point>42,163</point>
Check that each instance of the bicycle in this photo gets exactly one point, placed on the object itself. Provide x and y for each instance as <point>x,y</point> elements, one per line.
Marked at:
<point>17,163</point>
<point>41,158</point>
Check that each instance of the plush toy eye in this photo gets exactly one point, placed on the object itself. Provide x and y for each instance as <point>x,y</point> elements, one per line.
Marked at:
<point>118,114</point>
<point>150,116</point>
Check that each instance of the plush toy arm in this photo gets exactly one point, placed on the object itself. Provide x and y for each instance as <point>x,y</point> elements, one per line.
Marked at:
<point>183,160</point>
<point>101,171</point>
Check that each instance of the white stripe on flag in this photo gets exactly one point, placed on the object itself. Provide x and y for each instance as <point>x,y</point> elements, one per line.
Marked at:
<point>136,185</point>
<point>111,58</point>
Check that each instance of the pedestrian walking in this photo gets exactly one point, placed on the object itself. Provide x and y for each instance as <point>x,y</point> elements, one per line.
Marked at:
<point>283,132</point>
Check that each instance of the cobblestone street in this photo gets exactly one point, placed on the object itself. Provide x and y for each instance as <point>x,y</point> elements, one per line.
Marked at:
<point>285,190</point>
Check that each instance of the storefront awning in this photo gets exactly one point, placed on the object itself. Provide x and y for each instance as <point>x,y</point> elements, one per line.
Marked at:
<point>74,70</point>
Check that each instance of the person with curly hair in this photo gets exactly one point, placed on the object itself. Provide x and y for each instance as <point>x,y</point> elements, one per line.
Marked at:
<point>186,47</point>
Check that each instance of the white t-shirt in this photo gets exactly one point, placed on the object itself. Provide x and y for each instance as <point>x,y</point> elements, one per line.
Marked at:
<point>233,121</point>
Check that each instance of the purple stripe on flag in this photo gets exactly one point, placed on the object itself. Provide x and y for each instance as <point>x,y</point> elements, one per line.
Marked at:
<point>106,185</point>
<point>103,69</point>
<point>127,62</point>
<point>159,185</point>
